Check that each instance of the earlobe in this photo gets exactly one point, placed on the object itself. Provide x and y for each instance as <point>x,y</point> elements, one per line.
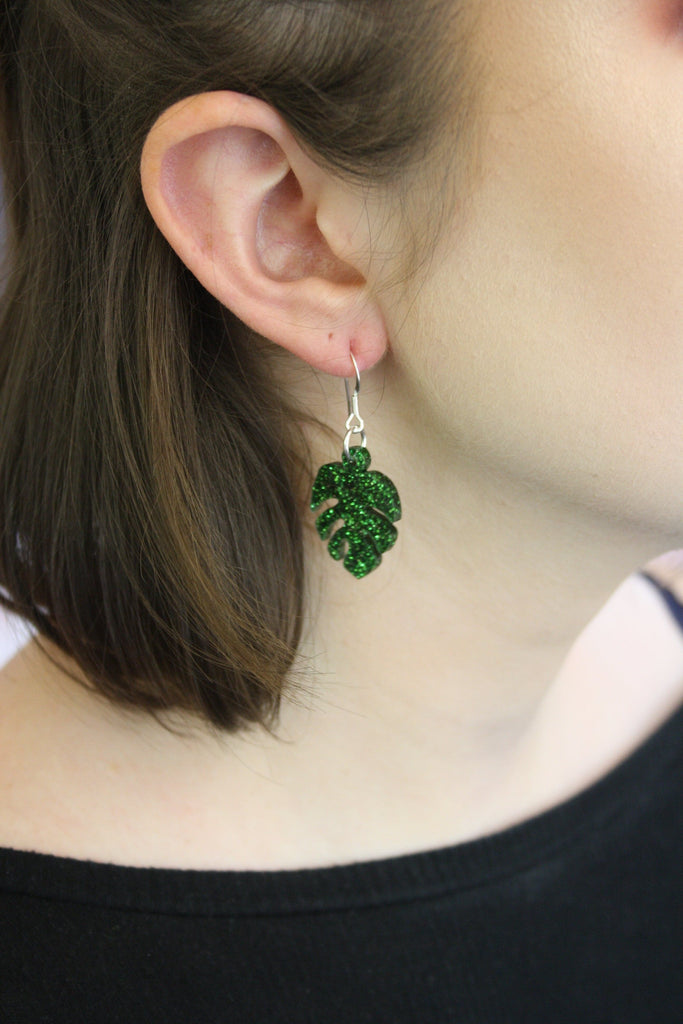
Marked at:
<point>239,202</point>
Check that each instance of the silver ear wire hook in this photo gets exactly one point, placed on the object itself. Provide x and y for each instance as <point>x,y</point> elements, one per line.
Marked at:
<point>354,423</point>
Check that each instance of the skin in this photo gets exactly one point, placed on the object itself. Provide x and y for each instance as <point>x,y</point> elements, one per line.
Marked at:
<point>524,394</point>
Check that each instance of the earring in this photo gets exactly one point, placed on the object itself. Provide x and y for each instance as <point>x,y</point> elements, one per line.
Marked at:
<point>367,501</point>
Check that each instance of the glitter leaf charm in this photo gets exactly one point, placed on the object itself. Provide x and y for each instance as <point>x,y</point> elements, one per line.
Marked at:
<point>369,504</point>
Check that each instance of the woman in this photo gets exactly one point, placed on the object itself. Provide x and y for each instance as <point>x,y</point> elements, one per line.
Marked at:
<point>240,782</point>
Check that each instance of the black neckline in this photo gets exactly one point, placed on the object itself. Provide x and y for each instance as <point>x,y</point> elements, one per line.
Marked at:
<point>612,803</point>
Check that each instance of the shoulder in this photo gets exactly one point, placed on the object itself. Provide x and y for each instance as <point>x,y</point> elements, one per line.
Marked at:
<point>621,682</point>
<point>38,714</point>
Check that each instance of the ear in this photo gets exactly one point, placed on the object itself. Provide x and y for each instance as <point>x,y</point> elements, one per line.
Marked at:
<point>264,229</point>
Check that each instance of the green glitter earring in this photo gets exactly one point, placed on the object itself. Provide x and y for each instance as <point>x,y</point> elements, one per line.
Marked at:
<point>367,501</point>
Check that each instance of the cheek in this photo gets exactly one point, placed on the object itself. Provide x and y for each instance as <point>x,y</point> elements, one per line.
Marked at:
<point>552,334</point>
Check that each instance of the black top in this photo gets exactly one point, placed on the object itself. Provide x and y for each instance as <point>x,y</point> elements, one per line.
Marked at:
<point>571,916</point>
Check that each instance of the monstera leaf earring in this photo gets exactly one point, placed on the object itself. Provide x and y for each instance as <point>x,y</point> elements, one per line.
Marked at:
<point>367,501</point>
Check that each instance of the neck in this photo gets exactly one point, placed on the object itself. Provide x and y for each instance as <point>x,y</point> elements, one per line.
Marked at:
<point>470,616</point>
<point>430,671</point>
<point>423,683</point>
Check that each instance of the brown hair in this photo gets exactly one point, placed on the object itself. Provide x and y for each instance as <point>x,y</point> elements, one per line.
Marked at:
<point>149,469</point>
